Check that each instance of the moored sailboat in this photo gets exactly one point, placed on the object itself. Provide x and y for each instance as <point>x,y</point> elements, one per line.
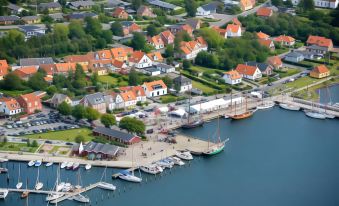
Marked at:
<point>246,114</point>
<point>38,184</point>
<point>192,123</point>
<point>19,184</point>
<point>129,176</point>
<point>289,107</point>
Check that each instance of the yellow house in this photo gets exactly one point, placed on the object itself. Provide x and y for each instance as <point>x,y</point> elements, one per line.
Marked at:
<point>320,71</point>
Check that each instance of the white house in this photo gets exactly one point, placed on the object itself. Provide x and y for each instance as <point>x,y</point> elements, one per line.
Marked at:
<point>9,106</point>
<point>152,71</point>
<point>232,77</point>
<point>32,30</point>
<point>233,30</point>
<point>249,72</point>
<point>182,84</point>
<point>189,50</point>
<point>119,102</point>
<point>207,9</point>
<point>294,57</point>
<point>140,60</point>
<point>331,4</point>
<point>165,68</point>
<point>155,88</point>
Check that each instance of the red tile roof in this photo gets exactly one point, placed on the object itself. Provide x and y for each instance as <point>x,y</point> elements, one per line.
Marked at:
<point>78,58</point>
<point>274,60</point>
<point>221,31</point>
<point>128,96</point>
<point>233,74</point>
<point>236,21</point>
<point>284,38</point>
<point>265,12</point>
<point>104,54</point>
<point>233,28</point>
<point>266,42</point>
<point>155,56</point>
<point>156,40</point>
<point>246,69</point>
<point>25,71</point>
<point>320,41</point>
<point>11,103</point>
<point>262,35</point>
<point>136,56</point>
<point>3,67</point>
<point>320,69</point>
<point>64,67</point>
<point>150,85</point>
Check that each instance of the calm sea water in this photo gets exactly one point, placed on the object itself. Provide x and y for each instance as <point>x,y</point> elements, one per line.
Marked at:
<point>277,157</point>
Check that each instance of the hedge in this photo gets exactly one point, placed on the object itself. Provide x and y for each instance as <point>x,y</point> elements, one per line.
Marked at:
<point>318,62</point>
<point>214,86</point>
<point>298,64</point>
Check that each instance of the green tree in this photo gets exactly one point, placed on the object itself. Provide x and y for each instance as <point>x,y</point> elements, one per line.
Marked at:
<point>277,2</point>
<point>79,112</point>
<point>117,29</point>
<point>79,138</point>
<point>132,125</point>
<point>108,120</point>
<point>37,81</point>
<point>93,27</point>
<point>12,82</point>
<point>212,37</point>
<point>169,51</point>
<point>136,4</point>
<point>186,64</point>
<point>191,7</point>
<point>139,41</point>
<point>76,30</point>
<point>92,114</point>
<point>28,143</point>
<point>168,81</point>
<point>65,109</point>
<point>34,144</point>
<point>152,30</point>
<point>51,90</point>
<point>306,5</point>
<point>133,78</point>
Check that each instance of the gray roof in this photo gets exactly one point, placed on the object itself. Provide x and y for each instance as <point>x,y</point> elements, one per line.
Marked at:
<point>81,3</point>
<point>56,16</point>
<point>261,66</point>
<point>126,137</point>
<point>81,15</point>
<point>9,18</point>
<point>210,7</point>
<point>27,28</point>
<point>58,98</point>
<point>13,7</point>
<point>165,66</point>
<point>96,98</point>
<point>294,54</point>
<point>36,61</point>
<point>182,80</point>
<point>316,47</point>
<point>126,23</point>
<point>106,149</point>
<point>27,18</point>
<point>130,11</point>
<point>193,22</point>
<point>151,69</point>
<point>50,5</point>
<point>162,4</point>
<point>117,3</point>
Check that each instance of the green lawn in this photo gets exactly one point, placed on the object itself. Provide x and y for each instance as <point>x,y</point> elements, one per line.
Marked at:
<point>288,72</point>
<point>9,146</point>
<point>66,135</point>
<point>302,82</point>
<point>203,88</point>
<point>169,98</point>
<point>15,93</point>
<point>116,81</point>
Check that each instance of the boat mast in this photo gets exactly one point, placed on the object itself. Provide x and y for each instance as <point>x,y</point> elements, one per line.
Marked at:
<point>19,173</point>
<point>218,129</point>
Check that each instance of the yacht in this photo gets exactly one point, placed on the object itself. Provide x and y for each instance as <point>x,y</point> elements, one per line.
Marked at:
<point>128,176</point>
<point>88,166</point>
<point>37,163</point>
<point>31,163</point>
<point>53,196</point>
<point>60,186</point>
<point>67,187</point>
<point>3,160</point>
<point>184,155</point>
<point>315,115</point>
<point>151,169</point>
<point>75,166</point>
<point>48,164</point>
<point>69,165</point>
<point>63,165</point>
<point>80,198</point>
<point>266,105</point>
<point>289,107</point>
<point>39,185</point>
<point>106,186</point>
<point>166,163</point>
<point>3,170</point>
<point>177,161</point>
<point>3,193</point>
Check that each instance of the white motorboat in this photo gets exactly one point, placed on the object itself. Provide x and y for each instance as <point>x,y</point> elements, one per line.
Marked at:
<point>37,163</point>
<point>69,165</point>
<point>39,185</point>
<point>289,107</point>
<point>315,115</point>
<point>177,161</point>
<point>329,116</point>
<point>60,186</point>
<point>3,160</point>
<point>75,166</point>
<point>128,176</point>
<point>88,166</point>
<point>63,165</point>
<point>3,193</point>
<point>226,116</point>
<point>67,187</point>
<point>80,198</point>
<point>31,163</point>
<point>3,170</point>
<point>48,164</point>
<point>19,185</point>
<point>166,163</point>
<point>184,155</point>
<point>53,196</point>
<point>151,169</point>
<point>106,186</point>
<point>266,105</point>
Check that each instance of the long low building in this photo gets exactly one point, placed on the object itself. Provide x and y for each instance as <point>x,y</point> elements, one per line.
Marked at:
<point>116,135</point>
<point>96,151</point>
<point>214,105</point>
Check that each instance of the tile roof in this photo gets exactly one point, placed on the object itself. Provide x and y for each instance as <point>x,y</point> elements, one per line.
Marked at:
<point>233,74</point>
<point>167,34</point>
<point>36,61</point>
<point>274,60</point>
<point>262,35</point>
<point>11,103</point>
<point>266,42</point>
<point>136,56</point>
<point>320,41</point>
<point>118,64</point>
<point>48,68</point>
<point>65,67</point>
<point>284,38</point>
<point>154,85</point>
<point>246,69</point>
<point>156,40</point>
<point>78,58</point>
<point>81,3</point>
<point>104,54</point>
<point>95,99</point>
<point>120,52</point>
<point>25,71</point>
<point>320,69</point>
<point>126,137</point>
<point>221,31</point>
<point>233,28</point>
<point>3,67</point>
<point>264,11</point>
<point>118,11</point>
<point>155,56</point>
<point>236,21</point>
<point>128,96</point>
<point>29,98</point>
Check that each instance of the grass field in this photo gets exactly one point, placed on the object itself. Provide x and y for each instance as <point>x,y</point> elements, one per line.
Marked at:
<point>107,79</point>
<point>15,93</point>
<point>9,146</point>
<point>66,135</point>
<point>169,98</point>
<point>289,72</point>
<point>203,87</point>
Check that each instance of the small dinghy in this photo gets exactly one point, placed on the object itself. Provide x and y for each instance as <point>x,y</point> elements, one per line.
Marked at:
<point>184,155</point>
<point>37,163</point>
<point>88,166</point>
<point>48,164</point>
<point>63,165</point>
<point>31,163</point>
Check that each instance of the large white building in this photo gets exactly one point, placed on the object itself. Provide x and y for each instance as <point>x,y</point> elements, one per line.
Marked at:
<point>155,88</point>
<point>332,4</point>
<point>214,105</point>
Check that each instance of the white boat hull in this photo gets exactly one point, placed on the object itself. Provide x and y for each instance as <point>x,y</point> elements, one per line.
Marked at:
<point>88,166</point>
<point>80,198</point>
<point>130,178</point>
<point>107,186</point>
<point>3,193</point>
<point>49,164</point>
<point>19,185</point>
<point>184,155</point>
<point>31,163</point>
<point>63,165</point>
<point>289,107</point>
<point>266,105</point>
<point>53,197</point>
<point>38,186</point>
<point>315,115</point>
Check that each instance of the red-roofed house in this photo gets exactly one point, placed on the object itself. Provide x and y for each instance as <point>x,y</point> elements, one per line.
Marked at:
<point>83,60</point>
<point>121,53</point>
<point>267,43</point>
<point>320,71</point>
<point>155,56</point>
<point>232,77</point>
<point>167,37</point>
<point>64,68</point>
<point>236,21</point>
<point>246,4</point>
<point>3,68</point>
<point>30,103</point>
<point>25,72</point>
<point>285,40</point>
<point>120,13</point>
<point>156,42</point>
<point>48,68</point>
<point>139,60</point>
<point>249,72</point>
<point>117,65</point>
<point>275,62</point>
<point>103,54</point>
<point>146,11</point>
<point>189,50</point>
<point>155,88</point>
<point>137,90</point>
<point>319,44</point>
<point>221,31</point>
<point>233,30</point>
<point>129,98</point>
<point>262,35</point>
<point>183,27</point>
<point>264,12</point>
<point>9,106</point>
<point>130,27</point>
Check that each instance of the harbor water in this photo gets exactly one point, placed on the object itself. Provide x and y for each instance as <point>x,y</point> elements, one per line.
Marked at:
<point>276,157</point>
<point>330,94</point>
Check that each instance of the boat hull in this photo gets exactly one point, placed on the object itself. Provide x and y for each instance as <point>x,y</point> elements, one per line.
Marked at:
<point>242,116</point>
<point>289,107</point>
<point>193,125</point>
<point>315,115</point>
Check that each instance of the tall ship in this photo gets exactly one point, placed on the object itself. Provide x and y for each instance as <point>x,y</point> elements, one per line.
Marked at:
<point>246,114</point>
<point>191,123</point>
